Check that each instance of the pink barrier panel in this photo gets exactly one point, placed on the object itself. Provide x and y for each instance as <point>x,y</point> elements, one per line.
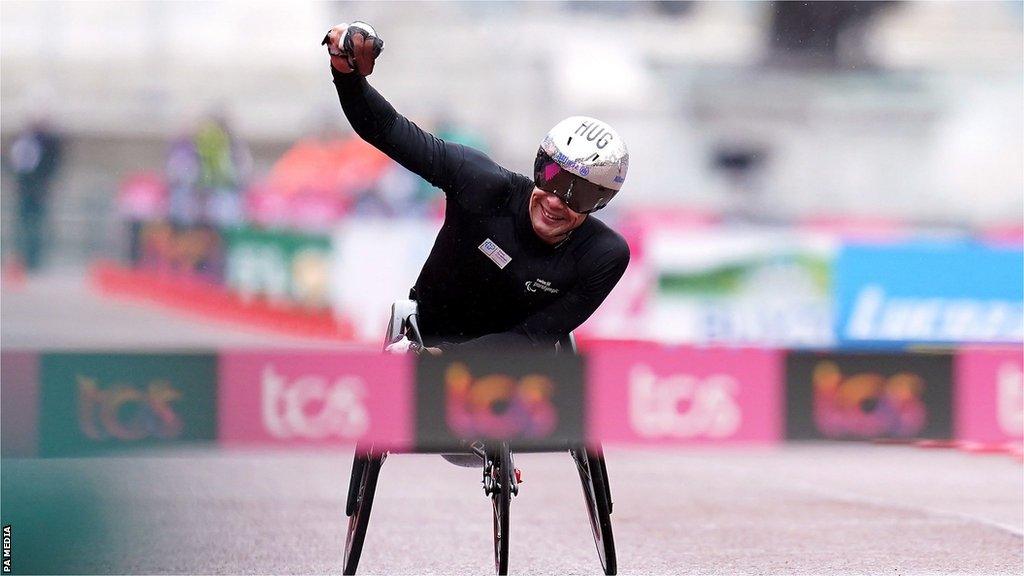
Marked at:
<point>315,398</point>
<point>19,375</point>
<point>642,393</point>
<point>989,395</point>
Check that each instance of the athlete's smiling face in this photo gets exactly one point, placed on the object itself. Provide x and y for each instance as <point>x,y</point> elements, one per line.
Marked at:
<point>552,220</point>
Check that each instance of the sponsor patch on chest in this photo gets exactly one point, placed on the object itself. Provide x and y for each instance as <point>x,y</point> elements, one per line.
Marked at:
<point>496,254</point>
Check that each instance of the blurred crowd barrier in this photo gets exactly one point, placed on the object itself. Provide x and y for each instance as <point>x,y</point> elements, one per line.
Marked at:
<point>633,394</point>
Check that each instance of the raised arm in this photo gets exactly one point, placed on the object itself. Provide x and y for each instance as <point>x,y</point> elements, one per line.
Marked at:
<point>377,122</point>
<point>449,166</point>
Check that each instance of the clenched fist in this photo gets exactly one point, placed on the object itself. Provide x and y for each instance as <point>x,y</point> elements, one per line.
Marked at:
<point>353,47</point>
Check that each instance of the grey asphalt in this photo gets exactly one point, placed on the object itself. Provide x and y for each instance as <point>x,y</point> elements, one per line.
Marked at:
<point>798,509</point>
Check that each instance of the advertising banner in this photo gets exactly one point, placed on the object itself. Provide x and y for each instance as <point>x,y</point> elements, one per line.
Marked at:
<point>989,395</point>
<point>930,293</point>
<point>316,398</point>
<point>868,395</point>
<point>535,400</point>
<point>650,394</point>
<point>280,266</point>
<point>96,402</point>
<point>19,403</point>
<point>740,286</point>
<point>193,251</point>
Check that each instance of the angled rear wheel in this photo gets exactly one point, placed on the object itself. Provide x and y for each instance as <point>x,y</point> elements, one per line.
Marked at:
<point>362,487</point>
<point>597,497</point>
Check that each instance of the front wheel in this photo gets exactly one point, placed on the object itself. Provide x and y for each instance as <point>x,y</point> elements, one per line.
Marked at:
<point>362,488</point>
<point>501,496</point>
<point>597,497</point>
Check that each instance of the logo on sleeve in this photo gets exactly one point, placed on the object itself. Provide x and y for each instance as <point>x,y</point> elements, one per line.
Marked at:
<point>496,254</point>
<point>541,286</point>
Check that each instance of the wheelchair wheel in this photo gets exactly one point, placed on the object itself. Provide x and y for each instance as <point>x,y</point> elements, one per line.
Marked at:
<point>365,470</point>
<point>359,460</point>
<point>501,496</point>
<point>597,497</point>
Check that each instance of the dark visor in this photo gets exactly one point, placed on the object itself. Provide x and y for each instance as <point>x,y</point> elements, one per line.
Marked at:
<point>578,194</point>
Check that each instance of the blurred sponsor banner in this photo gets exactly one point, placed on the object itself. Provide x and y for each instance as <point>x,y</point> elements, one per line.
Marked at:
<point>645,393</point>
<point>279,266</point>
<point>868,395</point>
<point>376,261</point>
<point>316,398</point>
<point>19,389</point>
<point>535,400</point>
<point>190,251</point>
<point>95,402</point>
<point>934,293</point>
<point>989,395</point>
<point>739,286</point>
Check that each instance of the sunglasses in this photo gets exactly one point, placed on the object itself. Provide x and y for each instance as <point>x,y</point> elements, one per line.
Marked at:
<point>578,194</point>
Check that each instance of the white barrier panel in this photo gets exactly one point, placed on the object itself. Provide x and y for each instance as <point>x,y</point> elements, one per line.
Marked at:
<point>374,263</point>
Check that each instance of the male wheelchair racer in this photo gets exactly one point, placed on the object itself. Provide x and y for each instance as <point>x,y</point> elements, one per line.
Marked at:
<point>500,481</point>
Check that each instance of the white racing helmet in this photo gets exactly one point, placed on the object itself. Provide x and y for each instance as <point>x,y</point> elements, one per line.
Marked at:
<point>583,161</point>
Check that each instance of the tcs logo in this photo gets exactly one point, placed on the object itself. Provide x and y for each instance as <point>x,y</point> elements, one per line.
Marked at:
<point>498,405</point>
<point>682,405</point>
<point>867,404</point>
<point>313,408</point>
<point>125,412</point>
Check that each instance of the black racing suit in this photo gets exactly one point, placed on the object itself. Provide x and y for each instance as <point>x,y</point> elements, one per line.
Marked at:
<point>489,281</point>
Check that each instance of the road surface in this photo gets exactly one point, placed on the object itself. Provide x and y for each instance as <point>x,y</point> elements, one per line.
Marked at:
<point>815,508</point>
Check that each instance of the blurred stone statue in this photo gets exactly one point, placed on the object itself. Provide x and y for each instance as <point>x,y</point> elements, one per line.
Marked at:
<point>34,158</point>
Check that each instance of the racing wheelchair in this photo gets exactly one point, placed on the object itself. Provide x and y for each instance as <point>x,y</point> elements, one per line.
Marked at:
<point>500,477</point>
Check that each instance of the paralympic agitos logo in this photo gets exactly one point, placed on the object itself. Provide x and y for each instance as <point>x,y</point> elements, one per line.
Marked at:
<point>126,412</point>
<point>498,405</point>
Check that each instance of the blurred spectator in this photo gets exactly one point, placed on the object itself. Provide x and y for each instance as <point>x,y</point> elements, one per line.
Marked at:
<point>318,180</point>
<point>224,165</point>
<point>35,158</point>
<point>141,200</point>
<point>182,173</point>
<point>742,165</point>
<point>205,172</point>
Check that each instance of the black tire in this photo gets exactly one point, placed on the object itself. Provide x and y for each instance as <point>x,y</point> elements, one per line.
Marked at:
<point>597,497</point>
<point>362,504</point>
<point>359,460</point>
<point>500,499</point>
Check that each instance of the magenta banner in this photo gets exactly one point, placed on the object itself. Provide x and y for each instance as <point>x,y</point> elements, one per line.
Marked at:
<point>316,398</point>
<point>989,395</point>
<point>19,376</point>
<point>645,393</point>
